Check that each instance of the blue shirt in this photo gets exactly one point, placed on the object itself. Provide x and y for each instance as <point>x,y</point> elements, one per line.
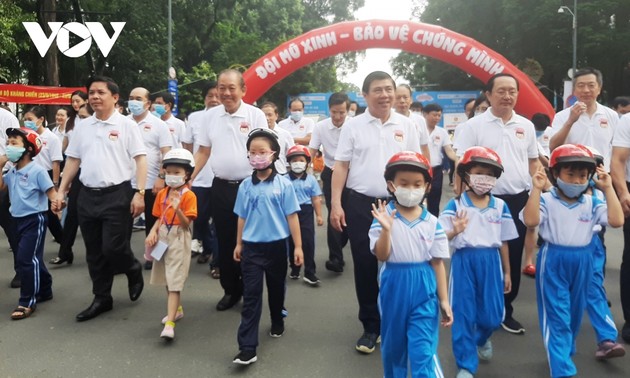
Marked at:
<point>265,206</point>
<point>306,187</point>
<point>27,189</point>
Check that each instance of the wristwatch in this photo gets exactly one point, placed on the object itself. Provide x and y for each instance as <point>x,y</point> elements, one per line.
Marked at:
<point>140,191</point>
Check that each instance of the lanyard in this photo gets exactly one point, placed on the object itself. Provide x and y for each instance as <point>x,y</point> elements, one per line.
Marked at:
<point>168,226</point>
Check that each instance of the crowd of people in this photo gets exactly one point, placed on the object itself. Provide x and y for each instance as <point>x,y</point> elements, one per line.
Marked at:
<point>237,187</point>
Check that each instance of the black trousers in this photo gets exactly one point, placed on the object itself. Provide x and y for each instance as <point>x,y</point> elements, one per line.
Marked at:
<point>149,219</point>
<point>358,210</point>
<point>435,195</point>
<point>516,203</point>
<point>202,229</point>
<point>54,224</point>
<point>105,221</point>
<point>71,224</point>
<point>624,273</point>
<point>223,198</point>
<point>307,230</point>
<point>336,240</point>
<point>7,222</point>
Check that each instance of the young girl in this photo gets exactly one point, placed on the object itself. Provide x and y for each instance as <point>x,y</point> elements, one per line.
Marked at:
<point>412,244</point>
<point>267,209</point>
<point>175,208</point>
<point>478,226</point>
<point>564,266</point>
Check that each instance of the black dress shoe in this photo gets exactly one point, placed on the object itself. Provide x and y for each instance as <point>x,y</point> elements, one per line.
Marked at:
<point>227,302</point>
<point>334,266</point>
<point>16,282</point>
<point>136,282</point>
<point>96,308</point>
<point>60,260</point>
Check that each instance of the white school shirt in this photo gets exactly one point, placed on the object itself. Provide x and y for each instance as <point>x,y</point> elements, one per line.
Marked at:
<point>514,142</point>
<point>7,121</point>
<point>596,131</point>
<point>368,144</point>
<point>285,139</point>
<point>622,138</point>
<point>569,225</point>
<point>487,228</point>
<point>326,135</point>
<point>418,240</point>
<point>177,128</point>
<point>226,134</point>
<point>51,150</point>
<point>438,138</point>
<point>298,129</point>
<point>194,128</point>
<point>544,140</point>
<point>155,136</point>
<point>106,149</point>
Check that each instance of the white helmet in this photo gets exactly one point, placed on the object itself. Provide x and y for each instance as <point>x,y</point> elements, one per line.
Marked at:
<point>179,156</point>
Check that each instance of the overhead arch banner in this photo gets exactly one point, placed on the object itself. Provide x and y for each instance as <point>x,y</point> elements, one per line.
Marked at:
<point>419,38</point>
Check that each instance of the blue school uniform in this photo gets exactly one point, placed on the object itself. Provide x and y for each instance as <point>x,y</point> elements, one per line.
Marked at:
<point>305,187</point>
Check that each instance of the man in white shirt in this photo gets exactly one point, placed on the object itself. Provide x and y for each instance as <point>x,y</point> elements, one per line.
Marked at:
<point>163,104</point>
<point>285,139</point>
<point>403,106</point>
<point>299,126</point>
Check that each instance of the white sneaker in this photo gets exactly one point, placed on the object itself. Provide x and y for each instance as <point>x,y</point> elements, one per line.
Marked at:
<point>196,246</point>
<point>463,373</point>
<point>168,333</point>
<point>485,352</point>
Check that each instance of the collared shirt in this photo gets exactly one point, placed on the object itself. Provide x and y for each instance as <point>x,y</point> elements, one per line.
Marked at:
<point>286,141</point>
<point>622,138</point>
<point>487,228</point>
<point>326,135</point>
<point>265,207</point>
<point>194,128</point>
<point>514,142</point>
<point>51,150</point>
<point>417,240</point>
<point>421,125</point>
<point>596,131</point>
<point>27,189</point>
<point>438,139</point>
<point>544,140</point>
<point>368,144</point>
<point>7,121</point>
<point>106,149</point>
<point>306,187</point>
<point>155,136</point>
<point>227,134</point>
<point>177,128</point>
<point>298,129</point>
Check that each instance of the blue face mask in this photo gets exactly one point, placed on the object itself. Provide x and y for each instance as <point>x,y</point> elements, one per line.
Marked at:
<point>31,125</point>
<point>135,107</point>
<point>296,116</point>
<point>539,134</point>
<point>159,109</point>
<point>14,153</point>
<point>155,114</point>
<point>571,190</point>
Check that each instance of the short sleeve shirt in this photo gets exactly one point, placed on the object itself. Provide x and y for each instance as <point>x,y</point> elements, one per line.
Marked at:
<point>306,187</point>
<point>194,129</point>
<point>438,139</point>
<point>326,135</point>
<point>177,128</point>
<point>299,129</point>
<point>27,189</point>
<point>286,141</point>
<point>155,136</point>
<point>51,150</point>
<point>622,138</point>
<point>162,206</point>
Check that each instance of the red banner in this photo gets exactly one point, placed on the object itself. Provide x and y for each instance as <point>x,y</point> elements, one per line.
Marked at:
<point>30,94</point>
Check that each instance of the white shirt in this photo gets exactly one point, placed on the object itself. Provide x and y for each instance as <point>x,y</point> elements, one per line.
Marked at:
<point>544,140</point>
<point>368,144</point>
<point>419,240</point>
<point>177,128</point>
<point>7,121</point>
<point>326,135</point>
<point>106,149</point>
<point>596,131</point>
<point>51,150</point>
<point>514,142</point>
<point>298,129</point>
<point>227,134</point>
<point>487,228</point>
<point>155,136</point>
<point>438,138</point>
<point>59,134</point>
<point>285,139</point>
<point>622,138</point>
<point>194,128</point>
<point>421,124</point>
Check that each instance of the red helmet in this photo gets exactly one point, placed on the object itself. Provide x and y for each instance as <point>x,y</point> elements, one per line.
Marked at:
<point>32,138</point>
<point>571,153</point>
<point>480,155</point>
<point>408,159</point>
<point>599,158</point>
<point>299,150</point>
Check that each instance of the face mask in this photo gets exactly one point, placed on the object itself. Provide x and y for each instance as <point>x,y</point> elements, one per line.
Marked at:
<point>409,197</point>
<point>260,162</point>
<point>571,190</point>
<point>478,113</point>
<point>481,184</point>
<point>31,125</point>
<point>159,109</point>
<point>156,114</point>
<point>14,153</point>
<point>352,113</point>
<point>296,116</point>
<point>539,134</point>
<point>135,107</point>
<point>298,166</point>
<point>174,181</point>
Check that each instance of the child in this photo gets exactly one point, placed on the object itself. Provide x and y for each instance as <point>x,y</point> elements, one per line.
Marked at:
<point>564,266</point>
<point>309,196</point>
<point>267,209</point>
<point>478,225</point>
<point>175,208</point>
<point>412,244</point>
<point>30,189</point>
<point>318,164</point>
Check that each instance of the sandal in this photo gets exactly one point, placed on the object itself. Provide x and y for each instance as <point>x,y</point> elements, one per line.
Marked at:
<point>530,270</point>
<point>22,312</point>
<point>215,273</point>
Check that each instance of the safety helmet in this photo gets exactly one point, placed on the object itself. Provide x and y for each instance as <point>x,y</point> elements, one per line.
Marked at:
<point>179,156</point>
<point>299,150</point>
<point>480,155</point>
<point>408,159</point>
<point>31,138</point>
<point>599,158</point>
<point>271,135</point>
<point>572,153</point>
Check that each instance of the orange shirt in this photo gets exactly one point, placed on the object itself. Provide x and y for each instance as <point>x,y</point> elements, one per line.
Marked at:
<point>318,164</point>
<point>187,204</point>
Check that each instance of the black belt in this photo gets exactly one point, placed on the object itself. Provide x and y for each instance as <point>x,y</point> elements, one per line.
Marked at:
<point>105,190</point>
<point>363,197</point>
<point>228,182</point>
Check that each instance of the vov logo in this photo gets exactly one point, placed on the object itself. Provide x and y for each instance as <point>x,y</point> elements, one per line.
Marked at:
<point>87,32</point>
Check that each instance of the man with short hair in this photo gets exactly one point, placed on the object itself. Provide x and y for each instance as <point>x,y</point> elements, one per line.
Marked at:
<point>163,105</point>
<point>353,110</point>
<point>403,103</point>
<point>621,105</point>
<point>299,126</point>
<point>285,139</point>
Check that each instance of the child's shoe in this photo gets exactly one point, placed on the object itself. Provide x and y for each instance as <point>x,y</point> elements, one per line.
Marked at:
<point>463,373</point>
<point>530,270</point>
<point>168,333</point>
<point>609,349</point>
<point>178,315</point>
<point>485,352</point>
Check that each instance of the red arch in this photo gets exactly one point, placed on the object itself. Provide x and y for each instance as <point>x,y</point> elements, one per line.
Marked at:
<point>430,40</point>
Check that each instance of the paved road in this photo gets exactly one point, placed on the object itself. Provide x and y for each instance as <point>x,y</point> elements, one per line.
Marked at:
<point>321,330</point>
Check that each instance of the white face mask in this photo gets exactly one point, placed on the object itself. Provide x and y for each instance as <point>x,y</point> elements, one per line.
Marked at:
<point>351,113</point>
<point>298,166</point>
<point>174,181</point>
<point>481,184</point>
<point>409,197</point>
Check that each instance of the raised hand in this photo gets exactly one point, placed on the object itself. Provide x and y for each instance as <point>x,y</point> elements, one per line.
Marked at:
<point>460,221</point>
<point>380,214</point>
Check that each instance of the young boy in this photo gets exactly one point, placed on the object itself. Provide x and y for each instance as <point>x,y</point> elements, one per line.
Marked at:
<point>411,243</point>
<point>309,196</point>
<point>30,188</point>
<point>564,266</point>
<point>267,207</point>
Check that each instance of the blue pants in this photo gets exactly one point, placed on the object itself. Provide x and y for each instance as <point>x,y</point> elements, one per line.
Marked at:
<point>563,275</point>
<point>597,304</point>
<point>307,230</point>
<point>476,294</point>
<point>35,279</point>
<point>409,320</point>
<point>258,259</point>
